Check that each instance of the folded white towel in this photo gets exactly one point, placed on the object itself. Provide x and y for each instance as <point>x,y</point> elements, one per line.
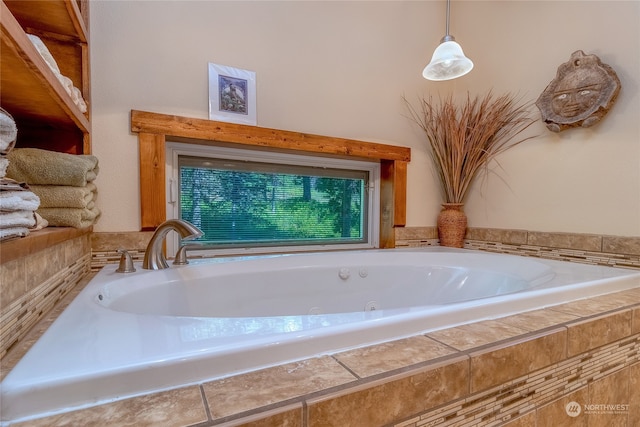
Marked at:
<point>17,219</point>
<point>43,50</point>
<point>4,164</point>
<point>79,100</point>
<point>8,132</point>
<point>12,233</point>
<point>18,201</point>
<point>73,91</point>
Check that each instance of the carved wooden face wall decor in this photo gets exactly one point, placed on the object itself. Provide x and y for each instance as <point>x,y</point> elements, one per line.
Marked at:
<point>581,94</point>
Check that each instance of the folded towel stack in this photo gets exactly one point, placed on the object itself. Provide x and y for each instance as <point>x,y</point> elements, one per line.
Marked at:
<point>17,210</point>
<point>17,203</point>
<point>68,205</point>
<point>74,92</point>
<point>62,182</point>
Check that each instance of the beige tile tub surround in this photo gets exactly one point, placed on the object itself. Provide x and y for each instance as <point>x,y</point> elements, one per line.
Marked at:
<point>32,284</point>
<point>590,333</point>
<point>555,413</point>
<point>419,381</point>
<point>635,323</point>
<point>265,387</point>
<point>527,420</point>
<point>612,389</point>
<point>182,406</point>
<point>538,319</point>
<point>544,394</point>
<point>472,335</point>
<point>498,364</point>
<point>634,395</point>
<point>386,357</point>
<point>288,416</point>
<point>381,402</point>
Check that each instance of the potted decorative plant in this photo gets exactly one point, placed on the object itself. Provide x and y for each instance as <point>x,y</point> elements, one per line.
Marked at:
<point>462,140</point>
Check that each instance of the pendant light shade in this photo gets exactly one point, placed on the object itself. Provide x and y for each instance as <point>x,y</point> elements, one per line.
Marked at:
<point>448,60</point>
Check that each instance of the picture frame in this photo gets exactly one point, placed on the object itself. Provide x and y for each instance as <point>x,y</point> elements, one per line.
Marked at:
<point>232,94</point>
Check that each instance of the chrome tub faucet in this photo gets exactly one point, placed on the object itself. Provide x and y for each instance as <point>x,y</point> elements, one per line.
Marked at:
<point>154,258</point>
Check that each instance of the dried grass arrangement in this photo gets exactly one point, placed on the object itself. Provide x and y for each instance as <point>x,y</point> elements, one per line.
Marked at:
<point>464,139</point>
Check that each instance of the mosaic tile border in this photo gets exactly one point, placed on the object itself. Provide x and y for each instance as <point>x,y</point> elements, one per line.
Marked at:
<point>19,316</point>
<point>517,397</point>
<point>574,247</point>
<point>559,254</point>
<point>605,250</point>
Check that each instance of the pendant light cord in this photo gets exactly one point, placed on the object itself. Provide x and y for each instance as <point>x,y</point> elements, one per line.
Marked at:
<point>447,37</point>
<point>446,33</point>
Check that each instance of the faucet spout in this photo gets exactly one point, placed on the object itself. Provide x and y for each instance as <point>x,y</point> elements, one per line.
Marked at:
<point>154,258</point>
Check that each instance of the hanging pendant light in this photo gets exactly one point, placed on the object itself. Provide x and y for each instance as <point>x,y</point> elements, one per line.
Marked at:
<point>448,61</point>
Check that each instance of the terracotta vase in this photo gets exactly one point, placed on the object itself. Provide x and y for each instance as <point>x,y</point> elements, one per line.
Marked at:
<point>452,225</point>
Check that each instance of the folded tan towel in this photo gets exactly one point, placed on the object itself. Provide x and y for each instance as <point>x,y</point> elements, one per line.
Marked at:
<point>65,196</point>
<point>43,167</point>
<point>40,222</point>
<point>70,217</point>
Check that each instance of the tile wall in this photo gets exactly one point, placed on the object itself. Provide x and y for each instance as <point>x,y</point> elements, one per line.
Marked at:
<point>31,285</point>
<point>588,248</point>
<point>584,248</point>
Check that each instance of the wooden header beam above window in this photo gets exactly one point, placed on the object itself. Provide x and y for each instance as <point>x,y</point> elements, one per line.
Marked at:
<point>154,128</point>
<point>184,127</point>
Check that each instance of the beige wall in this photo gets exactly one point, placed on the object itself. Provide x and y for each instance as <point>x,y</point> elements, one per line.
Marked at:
<point>341,69</point>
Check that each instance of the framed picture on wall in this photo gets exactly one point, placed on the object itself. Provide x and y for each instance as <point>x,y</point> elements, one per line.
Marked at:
<point>232,94</point>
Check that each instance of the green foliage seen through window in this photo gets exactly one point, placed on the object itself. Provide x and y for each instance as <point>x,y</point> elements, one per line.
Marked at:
<point>237,206</point>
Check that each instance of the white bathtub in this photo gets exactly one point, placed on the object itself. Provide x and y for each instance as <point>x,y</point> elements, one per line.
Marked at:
<point>128,334</point>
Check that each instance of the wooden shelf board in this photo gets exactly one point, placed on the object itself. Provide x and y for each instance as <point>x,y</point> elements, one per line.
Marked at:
<point>37,241</point>
<point>63,17</point>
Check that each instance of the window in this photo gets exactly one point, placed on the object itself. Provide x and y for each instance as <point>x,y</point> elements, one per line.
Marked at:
<point>258,201</point>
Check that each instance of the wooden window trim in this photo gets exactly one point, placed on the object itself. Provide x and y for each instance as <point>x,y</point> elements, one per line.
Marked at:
<point>153,129</point>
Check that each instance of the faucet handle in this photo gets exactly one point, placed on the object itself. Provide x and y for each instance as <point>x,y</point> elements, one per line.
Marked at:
<point>126,262</point>
<point>181,256</point>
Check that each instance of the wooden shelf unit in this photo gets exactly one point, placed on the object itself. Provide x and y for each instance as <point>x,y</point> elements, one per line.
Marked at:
<point>44,112</point>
